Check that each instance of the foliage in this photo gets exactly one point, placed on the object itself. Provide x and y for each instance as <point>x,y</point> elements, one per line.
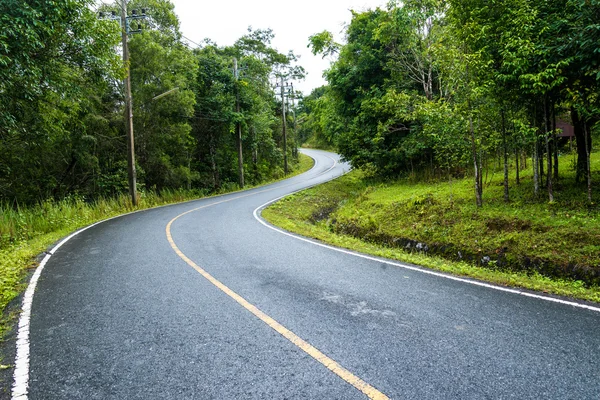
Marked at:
<point>219,94</point>
<point>454,87</point>
<point>62,104</point>
<point>324,44</point>
<point>28,231</point>
<point>160,63</point>
<point>545,247</point>
<point>55,57</point>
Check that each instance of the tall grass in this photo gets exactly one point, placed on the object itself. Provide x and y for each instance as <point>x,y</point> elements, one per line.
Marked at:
<point>26,232</point>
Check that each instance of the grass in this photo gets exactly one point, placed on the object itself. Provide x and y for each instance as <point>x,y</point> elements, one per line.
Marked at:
<point>27,232</point>
<point>314,143</point>
<point>528,243</point>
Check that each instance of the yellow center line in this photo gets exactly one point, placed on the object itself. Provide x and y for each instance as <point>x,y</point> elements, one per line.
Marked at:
<point>332,365</point>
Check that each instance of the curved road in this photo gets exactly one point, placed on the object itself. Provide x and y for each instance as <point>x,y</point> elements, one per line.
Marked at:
<point>202,301</point>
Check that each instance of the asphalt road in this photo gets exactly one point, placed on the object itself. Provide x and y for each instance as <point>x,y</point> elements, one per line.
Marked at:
<point>131,309</point>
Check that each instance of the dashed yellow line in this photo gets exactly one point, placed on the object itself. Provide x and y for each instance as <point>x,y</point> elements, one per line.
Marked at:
<point>332,365</point>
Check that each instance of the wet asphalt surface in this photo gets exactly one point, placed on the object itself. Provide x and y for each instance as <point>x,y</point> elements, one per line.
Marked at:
<point>119,315</point>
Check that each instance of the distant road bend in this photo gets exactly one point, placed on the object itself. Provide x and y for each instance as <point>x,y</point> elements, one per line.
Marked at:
<point>201,300</point>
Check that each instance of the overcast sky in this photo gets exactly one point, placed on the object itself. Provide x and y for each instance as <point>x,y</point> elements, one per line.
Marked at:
<point>225,21</point>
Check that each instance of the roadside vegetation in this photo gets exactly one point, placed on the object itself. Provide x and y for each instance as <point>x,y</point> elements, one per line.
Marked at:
<point>25,233</point>
<point>198,124</point>
<point>471,126</point>
<point>454,87</point>
<point>464,101</point>
<point>549,247</point>
<point>206,119</point>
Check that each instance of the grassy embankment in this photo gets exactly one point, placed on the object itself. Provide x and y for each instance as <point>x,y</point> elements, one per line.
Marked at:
<point>26,233</point>
<point>528,243</point>
<point>313,142</point>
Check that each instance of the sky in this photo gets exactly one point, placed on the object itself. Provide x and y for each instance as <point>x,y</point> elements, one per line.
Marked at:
<point>225,21</point>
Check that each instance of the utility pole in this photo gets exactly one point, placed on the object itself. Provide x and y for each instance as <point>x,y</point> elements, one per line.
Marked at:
<point>128,113</point>
<point>128,109</point>
<point>295,148</point>
<point>285,160</point>
<point>238,126</point>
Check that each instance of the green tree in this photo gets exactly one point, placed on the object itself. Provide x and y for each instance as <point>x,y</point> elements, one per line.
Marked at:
<point>54,57</point>
<point>161,63</point>
<point>240,113</point>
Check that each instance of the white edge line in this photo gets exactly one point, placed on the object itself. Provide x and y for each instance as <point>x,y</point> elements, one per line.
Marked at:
<point>409,267</point>
<point>21,374</point>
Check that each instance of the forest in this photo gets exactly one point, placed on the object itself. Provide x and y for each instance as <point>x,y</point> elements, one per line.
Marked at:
<point>447,87</point>
<point>454,88</point>
<point>62,101</point>
<point>428,90</point>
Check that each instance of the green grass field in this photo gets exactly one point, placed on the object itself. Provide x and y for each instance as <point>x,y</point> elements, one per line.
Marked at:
<point>529,243</point>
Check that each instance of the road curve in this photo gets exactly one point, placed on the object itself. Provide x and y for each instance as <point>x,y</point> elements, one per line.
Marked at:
<point>202,301</point>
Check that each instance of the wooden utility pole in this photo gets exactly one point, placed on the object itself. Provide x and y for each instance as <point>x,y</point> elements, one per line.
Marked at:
<point>128,109</point>
<point>285,160</point>
<point>295,147</point>
<point>238,126</point>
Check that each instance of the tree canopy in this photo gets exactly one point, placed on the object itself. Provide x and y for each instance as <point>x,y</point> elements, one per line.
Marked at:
<point>62,103</point>
<point>447,86</point>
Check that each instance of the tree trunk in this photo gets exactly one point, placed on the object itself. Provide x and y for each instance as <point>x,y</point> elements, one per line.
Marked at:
<point>536,173</point>
<point>584,144</point>
<point>240,154</point>
<point>213,163</point>
<point>540,158</point>
<point>555,142</point>
<point>505,149</point>
<point>57,187</point>
<point>517,156</point>
<point>450,182</point>
<point>430,81</point>
<point>589,169</point>
<point>254,152</point>
<point>476,158</point>
<point>548,151</point>
<point>476,164</point>
<point>480,160</point>
<point>238,127</point>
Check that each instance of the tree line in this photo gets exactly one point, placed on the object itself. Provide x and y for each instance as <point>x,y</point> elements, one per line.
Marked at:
<point>454,85</point>
<point>62,125</point>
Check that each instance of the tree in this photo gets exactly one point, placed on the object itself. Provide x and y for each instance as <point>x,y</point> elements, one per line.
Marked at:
<point>54,56</point>
<point>324,44</point>
<point>238,114</point>
<point>410,33</point>
<point>161,63</point>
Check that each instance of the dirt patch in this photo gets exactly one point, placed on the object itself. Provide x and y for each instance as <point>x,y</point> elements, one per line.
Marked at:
<point>499,224</point>
<point>322,213</point>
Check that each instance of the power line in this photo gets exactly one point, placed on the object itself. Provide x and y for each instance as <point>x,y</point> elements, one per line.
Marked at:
<point>191,41</point>
<point>119,3</point>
